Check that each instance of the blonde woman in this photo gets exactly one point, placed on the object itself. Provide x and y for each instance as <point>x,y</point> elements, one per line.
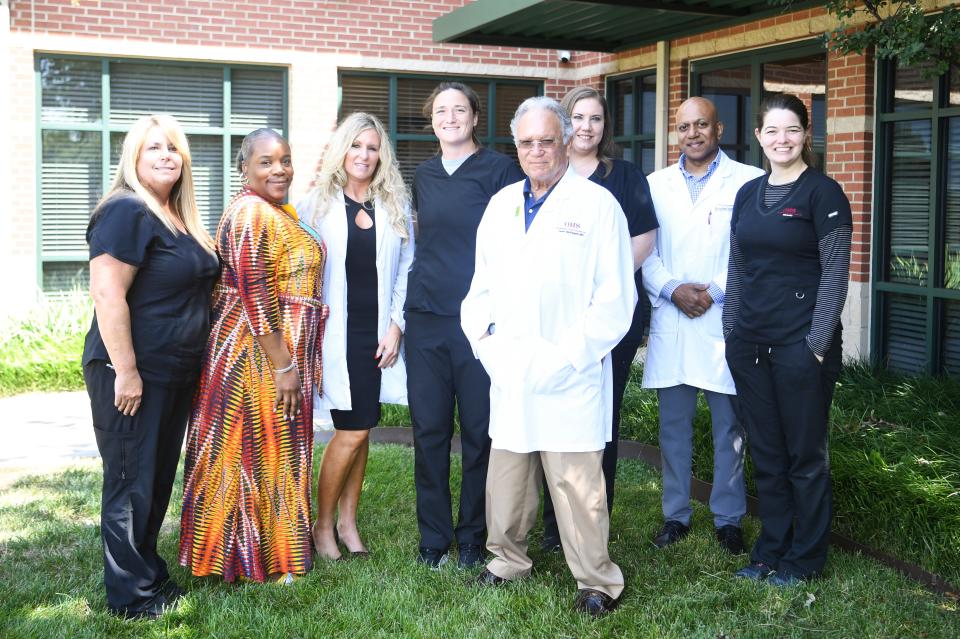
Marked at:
<point>152,270</point>
<point>360,208</point>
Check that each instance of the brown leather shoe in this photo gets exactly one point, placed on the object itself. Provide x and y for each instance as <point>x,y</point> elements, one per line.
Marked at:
<point>594,603</point>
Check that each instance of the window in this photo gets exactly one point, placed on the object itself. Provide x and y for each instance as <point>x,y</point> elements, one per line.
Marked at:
<point>632,101</point>
<point>917,229</point>
<point>737,84</point>
<point>86,107</point>
<point>397,100</point>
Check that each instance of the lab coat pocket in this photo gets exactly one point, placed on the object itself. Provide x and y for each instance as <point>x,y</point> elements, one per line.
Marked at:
<point>665,319</point>
<point>549,371</point>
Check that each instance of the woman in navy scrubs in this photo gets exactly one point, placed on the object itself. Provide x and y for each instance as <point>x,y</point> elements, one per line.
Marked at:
<point>152,270</point>
<point>450,193</point>
<point>591,155</point>
<point>786,285</point>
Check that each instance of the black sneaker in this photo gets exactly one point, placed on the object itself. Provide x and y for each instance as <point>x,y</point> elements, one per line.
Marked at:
<point>672,532</point>
<point>731,538</point>
<point>551,544</point>
<point>471,556</point>
<point>432,557</point>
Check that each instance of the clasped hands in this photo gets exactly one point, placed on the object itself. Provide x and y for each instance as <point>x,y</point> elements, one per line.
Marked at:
<point>692,298</point>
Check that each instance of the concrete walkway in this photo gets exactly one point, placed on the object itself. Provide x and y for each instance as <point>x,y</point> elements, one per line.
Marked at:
<point>40,430</point>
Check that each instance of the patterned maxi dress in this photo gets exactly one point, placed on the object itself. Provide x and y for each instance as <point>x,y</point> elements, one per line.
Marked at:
<point>246,497</point>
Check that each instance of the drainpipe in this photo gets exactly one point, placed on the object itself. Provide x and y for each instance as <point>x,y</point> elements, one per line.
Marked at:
<point>662,143</point>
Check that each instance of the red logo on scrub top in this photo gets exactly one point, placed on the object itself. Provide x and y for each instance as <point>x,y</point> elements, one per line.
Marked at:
<point>790,212</point>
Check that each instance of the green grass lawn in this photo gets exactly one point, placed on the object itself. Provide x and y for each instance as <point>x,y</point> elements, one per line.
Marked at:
<point>50,580</point>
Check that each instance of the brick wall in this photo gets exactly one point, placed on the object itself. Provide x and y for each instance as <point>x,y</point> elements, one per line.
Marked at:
<point>366,27</point>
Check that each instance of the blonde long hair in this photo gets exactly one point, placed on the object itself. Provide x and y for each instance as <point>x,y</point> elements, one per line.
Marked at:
<point>387,183</point>
<point>183,201</point>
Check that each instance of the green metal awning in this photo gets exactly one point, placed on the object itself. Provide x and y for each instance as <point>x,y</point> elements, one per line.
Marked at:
<point>594,25</point>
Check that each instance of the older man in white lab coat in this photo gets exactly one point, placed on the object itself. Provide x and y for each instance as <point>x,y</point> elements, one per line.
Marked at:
<point>551,296</point>
<point>685,278</point>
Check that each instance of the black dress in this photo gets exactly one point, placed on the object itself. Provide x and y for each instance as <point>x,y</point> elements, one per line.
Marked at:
<point>362,340</point>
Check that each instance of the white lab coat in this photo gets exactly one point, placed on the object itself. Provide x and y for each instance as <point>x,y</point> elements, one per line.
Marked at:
<point>393,263</point>
<point>693,245</point>
<point>562,296</point>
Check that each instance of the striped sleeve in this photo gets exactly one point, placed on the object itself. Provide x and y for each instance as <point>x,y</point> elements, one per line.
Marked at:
<point>832,292</point>
<point>731,300</point>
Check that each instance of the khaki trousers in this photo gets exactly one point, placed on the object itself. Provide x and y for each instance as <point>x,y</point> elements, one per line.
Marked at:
<point>576,484</point>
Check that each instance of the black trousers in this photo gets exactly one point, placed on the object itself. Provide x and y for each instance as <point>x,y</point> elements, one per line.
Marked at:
<point>140,455</point>
<point>784,397</point>
<point>621,358</point>
<point>441,372</point>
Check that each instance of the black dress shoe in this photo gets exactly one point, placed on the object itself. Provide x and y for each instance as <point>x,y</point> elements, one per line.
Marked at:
<point>470,556</point>
<point>433,558</point>
<point>731,538</point>
<point>594,603</point>
<point>487,578</point>
<point>755,571</point>
<point>152,609</point>
<point>551,544</point>
<point>672,532</point>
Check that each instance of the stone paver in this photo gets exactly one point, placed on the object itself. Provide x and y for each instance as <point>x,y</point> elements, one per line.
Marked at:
<point>45,429</point>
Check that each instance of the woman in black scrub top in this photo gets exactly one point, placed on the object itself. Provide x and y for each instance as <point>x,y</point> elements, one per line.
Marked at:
<point>152,270</point>
<point>361,210</point>
<point>786,285</point>
<point>591,155</point>
<point>450,193</point>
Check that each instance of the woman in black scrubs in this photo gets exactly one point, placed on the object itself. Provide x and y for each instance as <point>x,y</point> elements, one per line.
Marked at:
<point>591,155</point>
<point>361,210</point>
<point>152,270</point>
<point>450,193</point>
<point>786,285</point>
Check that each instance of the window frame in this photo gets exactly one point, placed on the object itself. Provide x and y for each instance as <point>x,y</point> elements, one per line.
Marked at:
<point>636,141</point>
<point>933,295</point>
<point>105,128</point>
<point>490,140</point>
<point>755,59</point>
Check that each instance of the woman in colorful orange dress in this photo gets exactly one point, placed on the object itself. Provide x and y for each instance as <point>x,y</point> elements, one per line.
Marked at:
<point>246,497</point>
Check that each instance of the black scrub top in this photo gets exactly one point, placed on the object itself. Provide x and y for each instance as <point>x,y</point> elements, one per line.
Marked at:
<point>449,209</point>
<point>169,299</point>
<point>630,188</point>
<point>795,256</point>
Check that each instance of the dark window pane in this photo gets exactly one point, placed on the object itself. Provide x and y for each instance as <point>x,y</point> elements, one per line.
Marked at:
<point>905,333</point>
<point>911,90</point>
<point>256,99</point>
<point>623,104</point>
<point>410,153</point>
<point>193,95</point>
<point>207,154</point>
<point>509,97</point>
<point>235,184</point>
<point>70,90</point>
<point>411,94</point>
<point>953,95</point>
<point>365,93</point>
<point>729,89</point>
<point>70,186</point>
<point>951,338</point>
<point>648,101</point>
<point>61,277</point>
<point>951,199</point>
<point>909,211</point>
<point>648,159</point>
<point>628,153</point>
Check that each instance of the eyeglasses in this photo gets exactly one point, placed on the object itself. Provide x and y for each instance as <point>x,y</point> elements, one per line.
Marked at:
<point>547,144</point>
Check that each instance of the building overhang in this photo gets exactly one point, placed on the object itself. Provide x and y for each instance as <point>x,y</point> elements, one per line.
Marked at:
<point>596,25</point>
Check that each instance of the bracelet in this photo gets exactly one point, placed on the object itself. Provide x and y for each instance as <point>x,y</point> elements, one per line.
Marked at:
<point>286,369</point>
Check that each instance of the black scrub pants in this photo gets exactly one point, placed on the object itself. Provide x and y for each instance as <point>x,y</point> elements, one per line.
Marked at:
<point>441,371</point>
<point>140,455</point>
<point>621,359</point>
<point>784,397</point>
